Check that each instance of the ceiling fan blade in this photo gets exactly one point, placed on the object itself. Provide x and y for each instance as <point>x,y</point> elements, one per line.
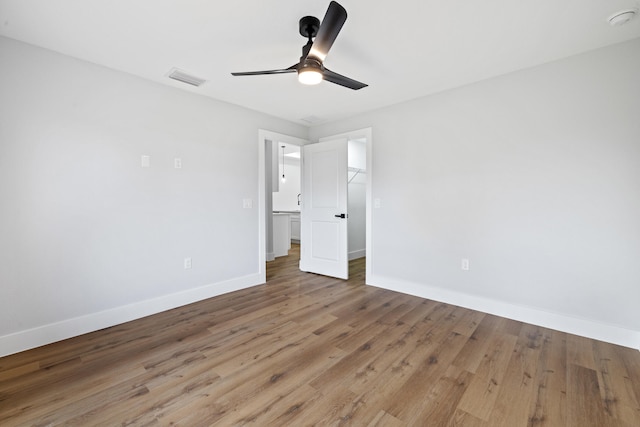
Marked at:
<point>341,80</point>
<point>292,69</point>
<point>329,28</point>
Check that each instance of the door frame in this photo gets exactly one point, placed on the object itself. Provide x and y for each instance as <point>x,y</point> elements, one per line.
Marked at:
<point>367,134</point>
<point>263,136</point>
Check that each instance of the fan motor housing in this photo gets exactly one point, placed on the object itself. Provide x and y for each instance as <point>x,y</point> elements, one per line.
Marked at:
<point>309,26</point>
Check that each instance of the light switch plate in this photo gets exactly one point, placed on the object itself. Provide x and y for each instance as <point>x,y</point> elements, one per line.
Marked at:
<point>145,161</point>
<point>247,203</point>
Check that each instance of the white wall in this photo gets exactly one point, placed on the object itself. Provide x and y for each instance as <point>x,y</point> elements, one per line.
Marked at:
<point>534,176</point>
<point>357,208</point>
<point>88,238</point>
<point>286,199</point>
<point>357,199</point>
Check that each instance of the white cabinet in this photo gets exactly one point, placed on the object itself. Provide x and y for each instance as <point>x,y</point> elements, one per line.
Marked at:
<point>295,228</point>
<point>281,234</point>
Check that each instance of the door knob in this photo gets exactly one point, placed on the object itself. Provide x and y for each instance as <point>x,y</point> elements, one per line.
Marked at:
<point>340,215</point>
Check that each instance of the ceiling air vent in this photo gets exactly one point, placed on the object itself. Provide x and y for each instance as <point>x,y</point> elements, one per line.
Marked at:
<point>311,119</point>
<point>183,77</point>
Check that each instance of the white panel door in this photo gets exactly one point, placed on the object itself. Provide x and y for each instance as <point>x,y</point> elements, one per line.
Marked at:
<point>323,227</point>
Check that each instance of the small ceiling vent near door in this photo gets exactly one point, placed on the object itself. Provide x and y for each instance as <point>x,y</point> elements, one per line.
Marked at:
<point>184,77</point>
<point>311,119</point>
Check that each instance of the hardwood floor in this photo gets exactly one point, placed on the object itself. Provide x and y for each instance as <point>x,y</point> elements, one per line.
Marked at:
<point>309,350</point>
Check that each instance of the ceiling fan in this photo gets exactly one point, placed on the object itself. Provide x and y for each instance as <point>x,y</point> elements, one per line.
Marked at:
<point>310,68</point>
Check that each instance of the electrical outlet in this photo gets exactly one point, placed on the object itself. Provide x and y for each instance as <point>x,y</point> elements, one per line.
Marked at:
<point>187,263</point>
<point>247,203</point>
<point>177,163</point>
<point>465,264</point>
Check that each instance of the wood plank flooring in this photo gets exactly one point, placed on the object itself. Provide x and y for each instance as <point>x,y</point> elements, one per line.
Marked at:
<point>310,350</point>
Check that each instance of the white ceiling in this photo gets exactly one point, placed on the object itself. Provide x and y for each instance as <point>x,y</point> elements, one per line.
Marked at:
<point>403,49</point>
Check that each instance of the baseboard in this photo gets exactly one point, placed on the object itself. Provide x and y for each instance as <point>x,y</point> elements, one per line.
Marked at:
<point>47,334</point>
<point>561,322</point>
<point>361,253</point>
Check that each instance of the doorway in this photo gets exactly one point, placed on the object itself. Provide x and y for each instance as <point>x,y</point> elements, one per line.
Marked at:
<point>357,175</point>
<point>360,199</point>
<point>269,178</point>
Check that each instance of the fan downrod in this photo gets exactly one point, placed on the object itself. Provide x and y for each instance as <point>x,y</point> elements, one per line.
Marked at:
<point>309,27</point>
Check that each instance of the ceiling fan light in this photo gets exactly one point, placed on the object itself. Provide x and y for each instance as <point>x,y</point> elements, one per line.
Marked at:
<point>309,76</point>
